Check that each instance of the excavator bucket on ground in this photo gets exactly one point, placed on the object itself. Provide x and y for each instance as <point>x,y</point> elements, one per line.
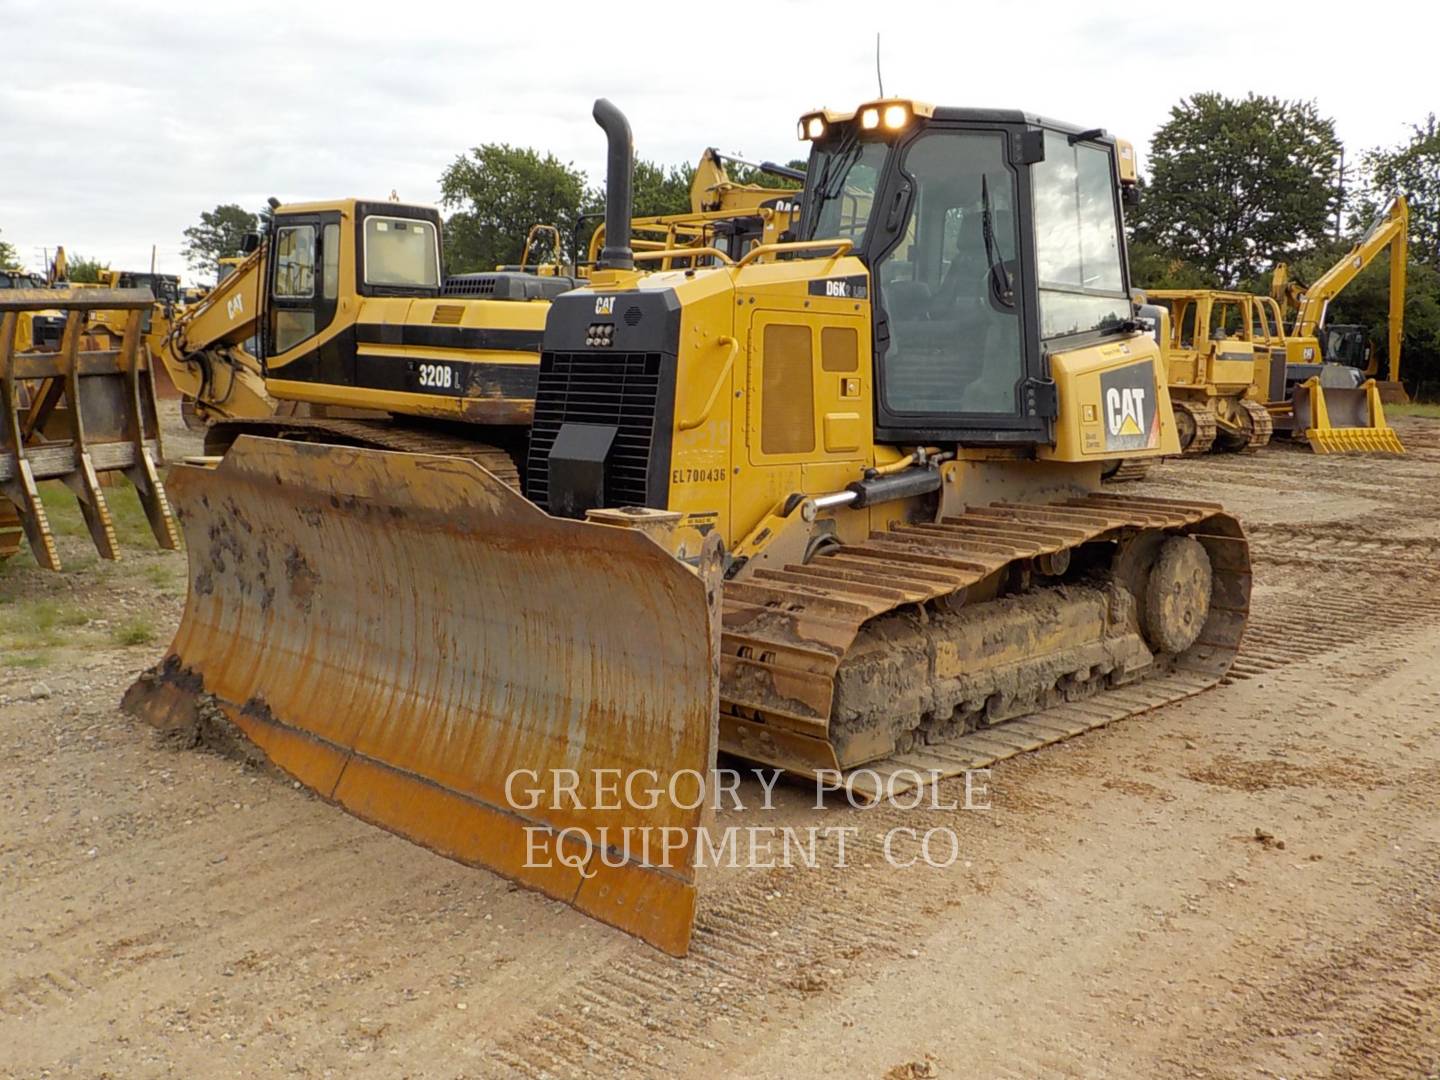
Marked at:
<point>1341,420</point>
<point>73,414</point>
<point>413,640</point>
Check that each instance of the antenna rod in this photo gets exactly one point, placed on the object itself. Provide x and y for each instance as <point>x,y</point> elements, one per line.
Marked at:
<point>878,77</point>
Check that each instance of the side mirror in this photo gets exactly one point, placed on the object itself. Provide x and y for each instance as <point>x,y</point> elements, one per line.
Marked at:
<point>249,243</point>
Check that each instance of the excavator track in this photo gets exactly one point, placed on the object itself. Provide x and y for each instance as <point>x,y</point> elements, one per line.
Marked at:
<point>370,435</point>
<point>791,637</point>
<point>1206,427</point>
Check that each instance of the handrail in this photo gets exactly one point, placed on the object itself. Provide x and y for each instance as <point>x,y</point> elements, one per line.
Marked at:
<point>844,246</point>
<point>685,253</point>
<point>734,343</point>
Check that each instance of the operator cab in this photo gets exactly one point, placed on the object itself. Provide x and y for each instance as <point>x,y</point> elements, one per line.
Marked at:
<point>992,237</point>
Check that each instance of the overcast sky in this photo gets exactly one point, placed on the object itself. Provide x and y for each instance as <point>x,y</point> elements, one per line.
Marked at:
<point>121,122</point>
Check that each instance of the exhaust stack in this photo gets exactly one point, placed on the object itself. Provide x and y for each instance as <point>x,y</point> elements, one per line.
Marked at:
<point>619,173</point>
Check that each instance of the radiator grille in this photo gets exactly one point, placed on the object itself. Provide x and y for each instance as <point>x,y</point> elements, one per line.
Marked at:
<point>614,388</point>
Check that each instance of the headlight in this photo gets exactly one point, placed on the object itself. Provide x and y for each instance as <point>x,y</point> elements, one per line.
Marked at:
<point>870,118</point>
<point>815,127</point>
<point>896,116</point>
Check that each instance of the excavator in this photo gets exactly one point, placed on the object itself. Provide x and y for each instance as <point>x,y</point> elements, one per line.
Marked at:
<point>1322,357</point>
<point>832,506</point>
<point>1239,373</point>
<point>210,349</point>
<point>363,346</point>
<point>363,342</point>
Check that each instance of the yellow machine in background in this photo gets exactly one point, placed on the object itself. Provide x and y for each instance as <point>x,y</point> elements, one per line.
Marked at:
<point>362,341</point>
<point>1239,372</point>
<point>74,413</point>
<point>725,219</point>
<point>1222,353</point>
<point>832,505</point>
<point>1311,339</point>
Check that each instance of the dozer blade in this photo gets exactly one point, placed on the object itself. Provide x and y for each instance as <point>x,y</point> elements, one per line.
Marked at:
<point>1344,420</point>
<point>406,635</point>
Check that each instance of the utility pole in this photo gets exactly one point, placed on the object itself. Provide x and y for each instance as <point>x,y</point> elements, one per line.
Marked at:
<point>1340,203</point>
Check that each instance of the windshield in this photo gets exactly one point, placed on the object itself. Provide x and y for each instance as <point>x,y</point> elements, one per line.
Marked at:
<point>401,252</point>
<point>845,176</point>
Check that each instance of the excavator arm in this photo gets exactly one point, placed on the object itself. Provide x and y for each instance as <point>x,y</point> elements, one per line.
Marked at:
<point>1390,231</point>
<point>204,351</point>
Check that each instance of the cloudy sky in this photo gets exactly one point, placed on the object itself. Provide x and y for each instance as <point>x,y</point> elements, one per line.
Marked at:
<point>121,122</point>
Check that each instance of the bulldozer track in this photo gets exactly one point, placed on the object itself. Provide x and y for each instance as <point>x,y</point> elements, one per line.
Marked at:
<point>1262,425</point>
<point>787,631</point>
<point>1130,469</point>
<point>370,434</point>
<point>1206,427</point>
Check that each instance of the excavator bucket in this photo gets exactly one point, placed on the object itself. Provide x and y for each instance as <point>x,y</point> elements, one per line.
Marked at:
<point>414,641</point>
<point>1344,420</point>
<point>75,413</point>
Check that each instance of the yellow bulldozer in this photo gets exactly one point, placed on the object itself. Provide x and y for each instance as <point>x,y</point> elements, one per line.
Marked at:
<point>1223,364</point>
<point>832,506</point>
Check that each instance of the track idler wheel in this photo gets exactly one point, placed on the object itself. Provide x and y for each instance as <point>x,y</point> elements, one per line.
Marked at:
<point>1177,596</point>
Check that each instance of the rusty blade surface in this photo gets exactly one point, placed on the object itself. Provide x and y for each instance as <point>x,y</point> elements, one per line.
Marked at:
<point>404,633</point>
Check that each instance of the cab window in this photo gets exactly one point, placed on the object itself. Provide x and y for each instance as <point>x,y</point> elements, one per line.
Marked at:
<point>401,252</point>
<point>295,262</point>
<point>330,258</point>
<point>843,188</point>
<point>949,286</point>
<point>1077,240</point>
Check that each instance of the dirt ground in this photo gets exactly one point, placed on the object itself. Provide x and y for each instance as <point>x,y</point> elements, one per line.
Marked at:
<point>1246,883</point>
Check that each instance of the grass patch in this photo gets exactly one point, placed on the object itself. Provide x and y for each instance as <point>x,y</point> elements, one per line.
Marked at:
<point>137,631</point>
<point>28,660</point>
<point>1428,409</point>
<point>41,624</point>
<point>132,527</point>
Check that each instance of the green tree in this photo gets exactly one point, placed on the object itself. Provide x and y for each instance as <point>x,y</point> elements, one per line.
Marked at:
<point>221,232</point>
<point>659,189</point>
<point>1237,183</point>
<point>8,256</point>
<point>82,271</point>
<point>496,192</point>
<point>1411,169</point>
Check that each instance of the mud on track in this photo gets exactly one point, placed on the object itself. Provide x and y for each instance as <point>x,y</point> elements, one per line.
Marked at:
<point>1242,882</point>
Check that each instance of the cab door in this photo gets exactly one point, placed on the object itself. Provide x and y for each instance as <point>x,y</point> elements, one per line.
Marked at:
<point>304,281</point>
